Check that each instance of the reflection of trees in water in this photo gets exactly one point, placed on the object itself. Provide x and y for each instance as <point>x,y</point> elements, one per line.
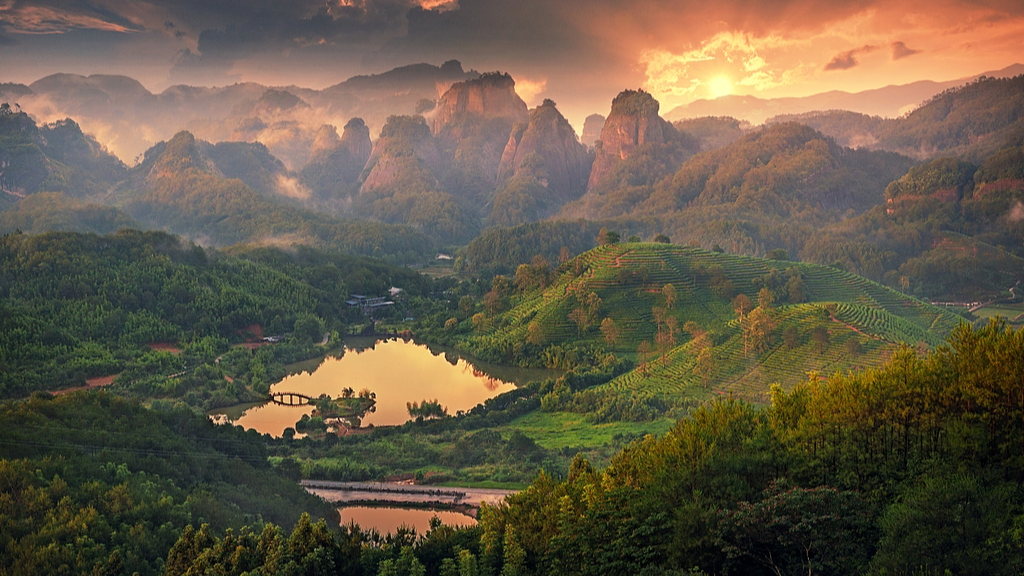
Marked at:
<point>490,382</point>
<point>452,359</point>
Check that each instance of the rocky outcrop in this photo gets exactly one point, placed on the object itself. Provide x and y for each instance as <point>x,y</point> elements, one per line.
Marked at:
<point>401,138</point>
<point>633,121</point>
<point>356,139</point>
<point>560,162</point>
<point>336,162</point>
<point>592,127</point>
<point>491,96</point>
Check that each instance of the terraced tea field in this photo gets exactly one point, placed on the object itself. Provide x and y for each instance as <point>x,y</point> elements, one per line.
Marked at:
<point>629,279</point>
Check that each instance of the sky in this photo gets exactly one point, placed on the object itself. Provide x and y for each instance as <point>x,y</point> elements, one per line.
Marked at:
<point>578,52</point>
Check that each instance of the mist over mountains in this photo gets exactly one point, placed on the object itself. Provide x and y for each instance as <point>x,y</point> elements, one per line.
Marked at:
<point>431,156</point>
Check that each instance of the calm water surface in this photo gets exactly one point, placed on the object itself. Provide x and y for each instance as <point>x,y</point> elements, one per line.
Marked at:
<point>397,371</point>
<point>387,520</point>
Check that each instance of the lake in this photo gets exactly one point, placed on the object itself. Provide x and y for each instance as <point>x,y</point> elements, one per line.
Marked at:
<point>397,371</point>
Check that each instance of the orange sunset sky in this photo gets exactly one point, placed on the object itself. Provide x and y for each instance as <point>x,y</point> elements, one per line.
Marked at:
<point>578,52</point>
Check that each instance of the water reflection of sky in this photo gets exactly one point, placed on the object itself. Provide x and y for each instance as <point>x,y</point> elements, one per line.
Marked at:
<point>396,371</point>
<point>387,520</point>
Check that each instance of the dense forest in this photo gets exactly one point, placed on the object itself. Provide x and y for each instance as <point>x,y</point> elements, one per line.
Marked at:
<point>77,306</point>
<point>97,484</point>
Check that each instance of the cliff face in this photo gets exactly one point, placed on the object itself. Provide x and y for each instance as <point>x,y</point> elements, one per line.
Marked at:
<point>633,121</point>
<point>472,122</point>
<point>592,127</point>
<point>402,138</point>
<point>488,97</point>
<point>356,139</point>
<point>559,161</point>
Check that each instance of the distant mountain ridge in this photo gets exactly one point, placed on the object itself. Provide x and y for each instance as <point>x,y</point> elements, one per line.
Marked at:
<point>887,102</point>
<point>129,119</point>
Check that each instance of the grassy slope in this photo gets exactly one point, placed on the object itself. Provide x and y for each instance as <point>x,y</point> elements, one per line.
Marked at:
<point>848,305</point>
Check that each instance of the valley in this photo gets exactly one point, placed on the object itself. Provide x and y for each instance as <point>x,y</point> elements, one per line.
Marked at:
<point>454,337</point>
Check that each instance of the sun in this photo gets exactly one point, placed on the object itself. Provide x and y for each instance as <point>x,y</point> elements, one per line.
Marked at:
<point>720,86</point>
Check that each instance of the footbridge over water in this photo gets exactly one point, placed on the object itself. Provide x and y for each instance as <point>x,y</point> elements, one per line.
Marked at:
<point>290,399</point>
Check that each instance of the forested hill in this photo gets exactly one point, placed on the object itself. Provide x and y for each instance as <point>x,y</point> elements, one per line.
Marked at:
<point>96,484</point>
<point>970,121</point>
<point>75,306</point>
<point>695,322</point>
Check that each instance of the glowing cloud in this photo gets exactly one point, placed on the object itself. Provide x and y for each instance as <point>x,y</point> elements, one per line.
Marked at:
<point>715,68</point>
<point>848,59</point>
<point>528,89</point>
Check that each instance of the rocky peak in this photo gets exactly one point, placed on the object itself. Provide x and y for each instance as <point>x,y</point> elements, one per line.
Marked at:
<point>564,162</point>
<point>633,121</point>
<point>402,137</point>
<point>492,95</point>
<point>356,138</point>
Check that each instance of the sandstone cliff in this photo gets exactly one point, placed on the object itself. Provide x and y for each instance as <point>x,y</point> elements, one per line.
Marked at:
<point>490,96</point>
<point>564,162</point>
<point>402,138</point>
<point>633,121</point>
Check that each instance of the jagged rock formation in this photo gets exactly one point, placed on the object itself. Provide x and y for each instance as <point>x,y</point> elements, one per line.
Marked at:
<point>564,162</point>
<point>335,163</point>
<point>488,97</point>
<point>592,127</point>
<point>405,141</point>
<point>51,157</point>
<point>633,121</point>
<point>400,183</point>
<point>472,123</point>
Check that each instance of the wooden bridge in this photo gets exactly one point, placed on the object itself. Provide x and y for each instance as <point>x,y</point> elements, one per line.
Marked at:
<point>290,399</point>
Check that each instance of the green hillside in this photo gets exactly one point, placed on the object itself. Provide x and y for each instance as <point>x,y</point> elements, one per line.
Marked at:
<point>630,279</point>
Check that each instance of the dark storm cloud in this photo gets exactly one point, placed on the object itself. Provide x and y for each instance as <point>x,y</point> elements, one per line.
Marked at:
<point>848,59</point>
<point>900,51</point>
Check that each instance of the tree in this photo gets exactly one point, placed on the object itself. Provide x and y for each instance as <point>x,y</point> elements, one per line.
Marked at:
<point>610,331</point>
<point>741,305</point>
<point>852,346</point>
<point>820,337</point>
<point>669,292</point>
<point>586,313</point>
<point>643,352</point>
<point>662,239</point>
<point>789,337</point>
<point>535,333</point>
<point>309,327</point>
<point>795,289</point>
<point>765,299</point>
<point>705,363</point>
<point>564,255</point>
<point>467,305</point>
<point>606,236</point>
<point>778,254</point>
<point>757,329</point>
<point>480,321</point>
